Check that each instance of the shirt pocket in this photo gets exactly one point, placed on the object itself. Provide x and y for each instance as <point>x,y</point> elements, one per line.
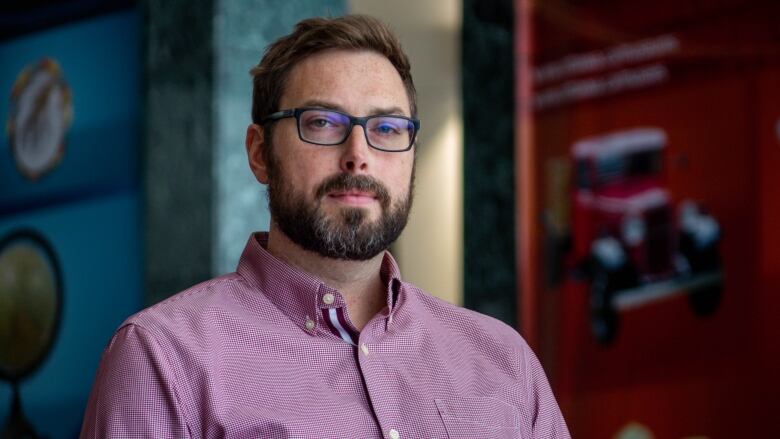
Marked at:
<point>474,417</point>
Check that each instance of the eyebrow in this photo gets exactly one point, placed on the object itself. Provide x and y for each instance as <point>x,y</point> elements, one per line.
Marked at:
<point>376,111</point>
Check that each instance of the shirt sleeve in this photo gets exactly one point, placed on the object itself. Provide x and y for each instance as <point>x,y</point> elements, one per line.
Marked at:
<point>547,420</point>
<point>134,395</point>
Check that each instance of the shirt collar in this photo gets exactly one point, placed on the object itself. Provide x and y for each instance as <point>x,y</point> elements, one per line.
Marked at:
<point>295,292</point>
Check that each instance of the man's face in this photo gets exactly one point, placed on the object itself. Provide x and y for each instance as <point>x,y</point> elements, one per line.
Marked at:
<point>347,201</point>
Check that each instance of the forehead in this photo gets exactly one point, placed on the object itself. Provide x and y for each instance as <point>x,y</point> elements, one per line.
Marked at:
<point>355,81</point>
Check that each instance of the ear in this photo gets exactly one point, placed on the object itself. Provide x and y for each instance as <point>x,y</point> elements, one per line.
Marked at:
<point>255,144</point>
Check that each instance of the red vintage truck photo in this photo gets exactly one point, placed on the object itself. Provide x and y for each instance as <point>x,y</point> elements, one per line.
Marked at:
<point>629,240</point>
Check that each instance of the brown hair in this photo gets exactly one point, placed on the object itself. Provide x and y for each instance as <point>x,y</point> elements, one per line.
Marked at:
<point>358,32</point>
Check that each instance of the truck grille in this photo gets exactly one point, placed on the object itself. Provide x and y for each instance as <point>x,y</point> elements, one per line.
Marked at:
<point>659,240</point>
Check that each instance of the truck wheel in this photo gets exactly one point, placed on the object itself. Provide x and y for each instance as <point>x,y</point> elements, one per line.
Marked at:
<point>700,259</point>
<point>703,300</point>
<point>603,315</point>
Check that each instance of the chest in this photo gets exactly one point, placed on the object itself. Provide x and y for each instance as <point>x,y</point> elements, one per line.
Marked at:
<point>394,387</point>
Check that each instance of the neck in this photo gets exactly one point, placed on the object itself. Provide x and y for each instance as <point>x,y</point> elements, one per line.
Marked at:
<point>359,282</point>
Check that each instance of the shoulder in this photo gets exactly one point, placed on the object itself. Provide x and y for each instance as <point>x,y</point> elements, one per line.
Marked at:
<point>192,307</point>
<point>477,328</point>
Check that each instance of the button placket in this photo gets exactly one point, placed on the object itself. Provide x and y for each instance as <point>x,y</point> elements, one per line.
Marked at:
<point>374,389</point>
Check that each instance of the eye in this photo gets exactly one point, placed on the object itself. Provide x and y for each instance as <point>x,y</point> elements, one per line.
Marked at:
<point>321,120</point>
<point>389,126</point>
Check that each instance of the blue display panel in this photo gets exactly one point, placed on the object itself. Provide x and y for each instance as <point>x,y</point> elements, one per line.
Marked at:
<point>72,92</point>
<point>98,61</point>
<point>98,251</point>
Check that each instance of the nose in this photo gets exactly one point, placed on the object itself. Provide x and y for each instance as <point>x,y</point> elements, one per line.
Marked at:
<point>356,152</point>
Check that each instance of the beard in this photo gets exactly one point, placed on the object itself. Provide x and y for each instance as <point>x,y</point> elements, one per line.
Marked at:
<point>348,234</point>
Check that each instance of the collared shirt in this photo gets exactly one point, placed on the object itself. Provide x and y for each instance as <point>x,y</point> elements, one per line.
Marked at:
<point>269,352</point>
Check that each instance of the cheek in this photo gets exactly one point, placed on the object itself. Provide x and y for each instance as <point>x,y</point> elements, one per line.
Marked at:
<point>402,178</point>
<point>303,166</point>
<point>306,170</point>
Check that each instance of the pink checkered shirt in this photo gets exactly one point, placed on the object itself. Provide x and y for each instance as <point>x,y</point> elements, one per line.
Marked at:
<point>268,352</point>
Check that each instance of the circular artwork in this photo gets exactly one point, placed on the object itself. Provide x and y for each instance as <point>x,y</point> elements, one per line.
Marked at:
<point>634,430</point>
<point>39,117</point>
<point>30,302</point>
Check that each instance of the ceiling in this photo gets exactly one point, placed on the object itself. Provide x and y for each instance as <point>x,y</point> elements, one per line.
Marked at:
<point>18,18</point>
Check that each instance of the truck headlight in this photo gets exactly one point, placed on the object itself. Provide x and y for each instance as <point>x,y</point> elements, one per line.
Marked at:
<point>634,230</point>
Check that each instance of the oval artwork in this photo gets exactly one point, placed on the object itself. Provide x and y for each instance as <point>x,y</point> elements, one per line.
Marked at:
<point>39,118</point>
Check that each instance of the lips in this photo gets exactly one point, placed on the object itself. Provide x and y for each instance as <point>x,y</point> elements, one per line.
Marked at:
<point>352,194</point>
<point>353,197</point>
<point>354,189</point>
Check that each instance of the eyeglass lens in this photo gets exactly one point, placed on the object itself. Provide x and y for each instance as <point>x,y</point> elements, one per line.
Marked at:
<point>332,128</point>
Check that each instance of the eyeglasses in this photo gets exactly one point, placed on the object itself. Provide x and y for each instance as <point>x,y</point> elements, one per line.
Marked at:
<point>329,127</point>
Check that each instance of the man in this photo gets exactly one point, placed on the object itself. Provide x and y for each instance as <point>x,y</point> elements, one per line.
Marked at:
<point>315,334</point>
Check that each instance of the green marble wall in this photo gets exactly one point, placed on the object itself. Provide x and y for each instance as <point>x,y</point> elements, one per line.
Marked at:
<point>488,174</point>
<point>177,155</point>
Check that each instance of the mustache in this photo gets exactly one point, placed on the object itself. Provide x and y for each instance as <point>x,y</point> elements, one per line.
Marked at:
<point>363,183</point>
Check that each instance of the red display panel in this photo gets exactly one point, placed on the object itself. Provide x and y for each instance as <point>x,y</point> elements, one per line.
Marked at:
<point>648,145</point>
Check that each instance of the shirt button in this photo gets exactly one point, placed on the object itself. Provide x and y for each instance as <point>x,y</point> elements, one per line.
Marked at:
<point>328,298</point>
<point>364,348</point>
<point>309,324</point>
<point>393,433</point>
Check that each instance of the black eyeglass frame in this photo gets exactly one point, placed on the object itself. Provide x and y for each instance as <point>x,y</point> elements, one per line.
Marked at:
<point>353,120</point>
